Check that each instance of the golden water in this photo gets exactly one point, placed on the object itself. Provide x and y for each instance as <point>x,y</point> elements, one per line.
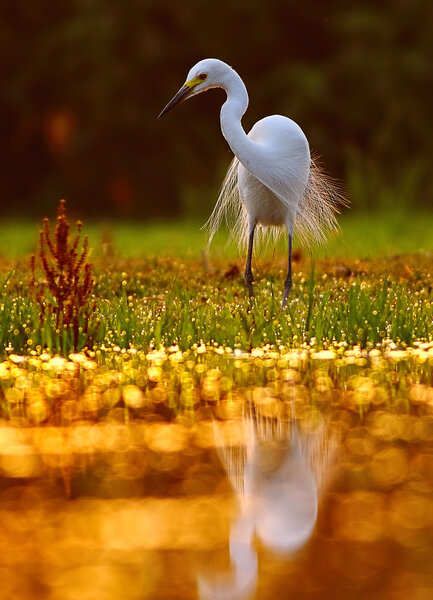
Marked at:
<point>330,503</point>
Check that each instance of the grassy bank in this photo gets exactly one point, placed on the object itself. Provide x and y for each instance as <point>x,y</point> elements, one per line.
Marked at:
<point>164,301</point>
<point>154,287</point>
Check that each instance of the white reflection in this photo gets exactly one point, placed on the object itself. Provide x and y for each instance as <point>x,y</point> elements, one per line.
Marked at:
<point>277,475</point>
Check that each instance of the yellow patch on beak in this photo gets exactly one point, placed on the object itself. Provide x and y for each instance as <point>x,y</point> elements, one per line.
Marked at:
<point>193,82</point>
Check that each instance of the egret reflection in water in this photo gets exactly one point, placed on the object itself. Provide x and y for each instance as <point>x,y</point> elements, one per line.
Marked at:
<point>277,474</point>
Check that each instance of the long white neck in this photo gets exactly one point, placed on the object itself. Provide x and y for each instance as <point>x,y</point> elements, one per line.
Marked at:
<point>231,114</point>
<point>280,163</point>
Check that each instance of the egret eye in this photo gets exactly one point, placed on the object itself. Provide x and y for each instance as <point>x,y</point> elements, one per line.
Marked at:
<point>202,77</point>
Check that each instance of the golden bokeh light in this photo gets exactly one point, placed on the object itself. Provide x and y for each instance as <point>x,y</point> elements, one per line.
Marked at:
<point>122,471</point>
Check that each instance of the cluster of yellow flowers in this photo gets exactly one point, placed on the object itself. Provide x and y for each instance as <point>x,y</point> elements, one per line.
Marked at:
<point>123,385</point>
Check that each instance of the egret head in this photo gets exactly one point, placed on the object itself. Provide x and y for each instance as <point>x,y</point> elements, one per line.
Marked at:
<point>206,74</point>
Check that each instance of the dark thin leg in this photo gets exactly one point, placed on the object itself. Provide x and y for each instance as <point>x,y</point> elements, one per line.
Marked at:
<point>248,272</point>
<point>288,281</point>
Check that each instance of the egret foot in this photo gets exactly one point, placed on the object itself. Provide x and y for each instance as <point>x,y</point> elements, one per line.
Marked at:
<point>248,276</point>
<point>249,280</point>
<point>287,288</point>
<point>288,281</point>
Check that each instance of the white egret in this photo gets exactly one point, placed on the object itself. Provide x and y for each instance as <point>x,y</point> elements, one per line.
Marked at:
<point>272,181</point>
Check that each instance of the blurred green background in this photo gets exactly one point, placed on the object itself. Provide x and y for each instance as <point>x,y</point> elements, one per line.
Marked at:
<point>83,81</point>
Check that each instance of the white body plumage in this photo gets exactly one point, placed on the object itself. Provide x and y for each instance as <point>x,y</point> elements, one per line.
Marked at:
<point>273,200</point>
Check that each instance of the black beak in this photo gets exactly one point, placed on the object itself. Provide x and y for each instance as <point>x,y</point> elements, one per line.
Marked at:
<point>181,95</point>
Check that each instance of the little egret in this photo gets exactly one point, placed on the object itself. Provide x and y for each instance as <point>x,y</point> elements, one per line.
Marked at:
<point>272,181</point>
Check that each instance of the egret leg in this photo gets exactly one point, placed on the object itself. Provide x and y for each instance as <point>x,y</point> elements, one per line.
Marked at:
<point>249,278</point>
<point>288,281</point>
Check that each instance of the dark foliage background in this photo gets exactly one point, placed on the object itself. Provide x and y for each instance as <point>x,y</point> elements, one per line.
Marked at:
<point>82,82</point>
